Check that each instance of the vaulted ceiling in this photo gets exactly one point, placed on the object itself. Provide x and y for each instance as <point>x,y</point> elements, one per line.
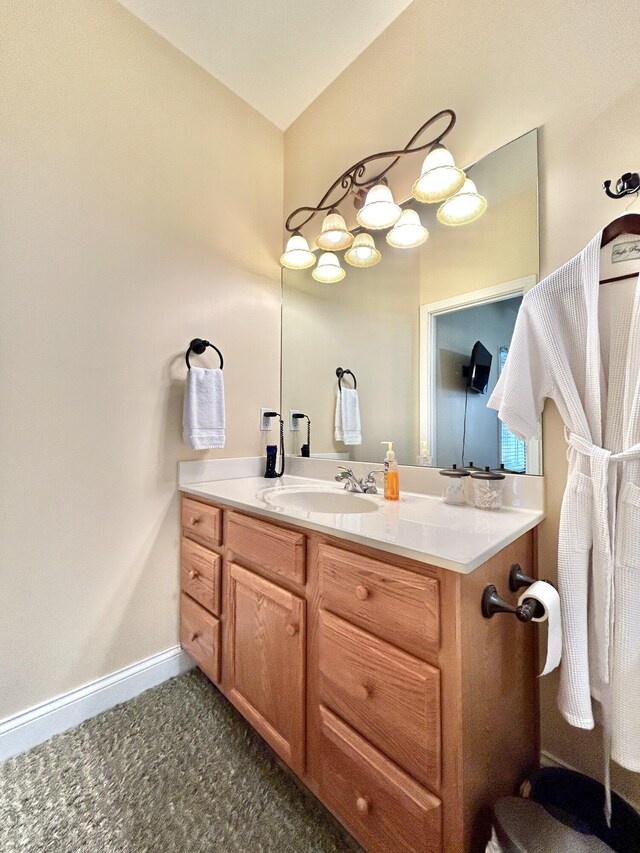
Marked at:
<point>278,55</point>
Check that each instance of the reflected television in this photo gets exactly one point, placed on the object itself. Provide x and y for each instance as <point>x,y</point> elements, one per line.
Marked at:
<point>478,369</point>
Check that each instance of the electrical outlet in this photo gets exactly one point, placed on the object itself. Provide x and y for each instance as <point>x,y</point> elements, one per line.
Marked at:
<point>294,423</point>
<point>265,423</point>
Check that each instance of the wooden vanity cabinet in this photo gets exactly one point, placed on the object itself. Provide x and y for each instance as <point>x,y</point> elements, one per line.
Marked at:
<point>266,660</point>
<point>373,677</point>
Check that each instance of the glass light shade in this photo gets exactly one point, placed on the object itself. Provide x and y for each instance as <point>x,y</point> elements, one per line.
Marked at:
<point>297,255</point>
<point>465,206</point>
<point>328,269</point>
<point>440,177</point>
<point>408,231</point>
<point>379,209</point>
<point>334,233</point>
<point>363,252</point>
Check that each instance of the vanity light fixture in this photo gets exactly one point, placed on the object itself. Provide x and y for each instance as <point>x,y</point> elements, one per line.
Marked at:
<point>440,177</point>
<point>379,209</point>
<point>408,232</point>
<point>328,269</point>
<point>465,206</point>
<point>297,255</point>
<point>440,181</point>
<point>334,234</point>
<point>363,252</point>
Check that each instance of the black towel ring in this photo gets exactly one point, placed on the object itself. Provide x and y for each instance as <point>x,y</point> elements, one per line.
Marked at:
<point>198,345</point>
<point>340,373</point>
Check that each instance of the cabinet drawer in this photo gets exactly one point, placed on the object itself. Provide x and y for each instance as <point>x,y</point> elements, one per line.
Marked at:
<point>383,808</point>
<point>200,636</point>
<point>203,521</point>
<point>392,603</point>
<point>267,547</point>
<point>200,571</point>
<point>391,698</point>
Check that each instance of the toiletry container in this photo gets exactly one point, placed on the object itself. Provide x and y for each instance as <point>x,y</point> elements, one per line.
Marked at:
<point>391,481</point>
<point>487,488</point>
<point>454,491</point>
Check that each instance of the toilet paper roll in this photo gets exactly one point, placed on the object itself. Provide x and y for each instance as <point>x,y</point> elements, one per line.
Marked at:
<point>548,597</point>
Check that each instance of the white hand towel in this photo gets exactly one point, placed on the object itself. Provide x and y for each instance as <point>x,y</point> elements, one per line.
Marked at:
<point>203,414</point>
<point>347,423</point>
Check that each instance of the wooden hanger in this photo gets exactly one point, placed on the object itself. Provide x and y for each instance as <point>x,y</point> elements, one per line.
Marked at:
<point>628,223</point>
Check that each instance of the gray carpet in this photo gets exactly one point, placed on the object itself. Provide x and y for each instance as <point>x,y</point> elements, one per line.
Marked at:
<point>175,770</point>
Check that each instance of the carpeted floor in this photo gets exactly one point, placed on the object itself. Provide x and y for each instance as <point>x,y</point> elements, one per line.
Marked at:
<point>175,770</point>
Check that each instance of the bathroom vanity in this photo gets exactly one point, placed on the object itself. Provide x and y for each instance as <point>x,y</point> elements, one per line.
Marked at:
<point>372,675</point>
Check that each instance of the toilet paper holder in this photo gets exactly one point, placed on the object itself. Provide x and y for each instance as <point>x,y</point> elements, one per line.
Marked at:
<point>491,602</point>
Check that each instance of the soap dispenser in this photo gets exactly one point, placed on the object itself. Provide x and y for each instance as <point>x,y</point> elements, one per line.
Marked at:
<point>425,458</point>
<point>391,482</point>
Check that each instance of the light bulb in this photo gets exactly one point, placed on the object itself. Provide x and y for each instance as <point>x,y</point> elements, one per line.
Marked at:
<point>328,269</point>
<point>408,231</point>
<point>465,206</point>
<point>297,255</point>
<point>334,233</point>
<point>363,252</point>
<point>379,209</point>
<point>440,177</point>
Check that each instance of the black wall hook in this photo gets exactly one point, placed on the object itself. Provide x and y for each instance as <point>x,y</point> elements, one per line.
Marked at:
<point>340,372</point>
<point>628,184</point>
<point>199,345</point>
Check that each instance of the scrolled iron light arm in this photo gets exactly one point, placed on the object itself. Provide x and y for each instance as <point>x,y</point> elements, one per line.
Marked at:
<point>352,180</point>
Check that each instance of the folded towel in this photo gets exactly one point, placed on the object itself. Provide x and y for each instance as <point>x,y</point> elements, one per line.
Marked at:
<point>203,414</point>
<point>348,429</point>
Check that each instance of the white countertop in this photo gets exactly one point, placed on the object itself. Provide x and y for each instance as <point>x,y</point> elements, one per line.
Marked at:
<point>421,527</point>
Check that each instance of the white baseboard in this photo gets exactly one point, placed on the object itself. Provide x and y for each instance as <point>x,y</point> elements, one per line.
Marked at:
<point>35,725</point>
<point>547,759</point>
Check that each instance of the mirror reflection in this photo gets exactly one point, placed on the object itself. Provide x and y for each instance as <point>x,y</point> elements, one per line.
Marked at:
<point>421,336</point>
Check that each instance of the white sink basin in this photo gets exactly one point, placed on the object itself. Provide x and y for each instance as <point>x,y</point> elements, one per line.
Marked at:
<point>320,500</point>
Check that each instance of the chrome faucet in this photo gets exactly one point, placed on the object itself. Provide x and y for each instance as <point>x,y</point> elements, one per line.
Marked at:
<point>367,486</point>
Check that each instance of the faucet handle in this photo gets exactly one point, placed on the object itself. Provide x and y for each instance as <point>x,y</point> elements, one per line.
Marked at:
<point>375,471</point>
<point>344,475</point>
<point>370,486</point>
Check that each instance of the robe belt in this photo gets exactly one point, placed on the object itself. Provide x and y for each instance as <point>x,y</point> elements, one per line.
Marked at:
<point>604,480</point>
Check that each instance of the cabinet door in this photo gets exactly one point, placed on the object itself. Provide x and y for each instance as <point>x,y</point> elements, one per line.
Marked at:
<point>267,661</point>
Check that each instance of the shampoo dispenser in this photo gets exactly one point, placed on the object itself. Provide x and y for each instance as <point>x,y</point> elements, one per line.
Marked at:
<point>391,482</point>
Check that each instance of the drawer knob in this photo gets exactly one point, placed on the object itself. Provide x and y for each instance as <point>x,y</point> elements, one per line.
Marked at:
<point>365,691</point>
<point>194,636</point>
<point>194,520</point>
<point>363,805</point>
<point>193,574</point>
<point>291,629</point>
<point>362,592</point>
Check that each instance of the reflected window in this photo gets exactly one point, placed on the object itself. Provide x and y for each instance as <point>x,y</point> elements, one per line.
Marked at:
<point>513,451</point>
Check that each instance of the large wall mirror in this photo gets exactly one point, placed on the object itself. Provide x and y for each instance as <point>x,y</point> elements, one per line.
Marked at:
<point>410,327</point>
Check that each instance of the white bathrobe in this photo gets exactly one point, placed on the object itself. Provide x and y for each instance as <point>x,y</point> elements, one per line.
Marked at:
<point>578,342</point>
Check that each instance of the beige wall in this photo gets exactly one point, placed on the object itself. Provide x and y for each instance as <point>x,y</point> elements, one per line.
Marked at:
<point>501,246</point>
<point>505,69</point>
<point>141,207</point>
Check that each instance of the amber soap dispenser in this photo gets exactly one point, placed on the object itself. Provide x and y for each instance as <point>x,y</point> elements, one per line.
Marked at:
<point>391,482</point>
